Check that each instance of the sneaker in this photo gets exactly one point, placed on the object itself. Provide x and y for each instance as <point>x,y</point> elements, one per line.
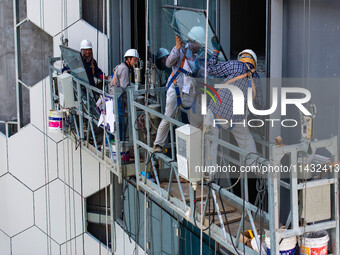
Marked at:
<point>157,148</point>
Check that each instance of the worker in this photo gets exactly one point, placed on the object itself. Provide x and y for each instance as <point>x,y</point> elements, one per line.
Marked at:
<point>161,57</point>
<point>121,78</point>
<point>90,64</point>
<point>180,83</point>
<point>242,74</point>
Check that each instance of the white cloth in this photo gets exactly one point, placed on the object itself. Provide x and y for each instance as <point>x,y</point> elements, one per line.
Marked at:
<point>186,79</point>
<point>242,135</point>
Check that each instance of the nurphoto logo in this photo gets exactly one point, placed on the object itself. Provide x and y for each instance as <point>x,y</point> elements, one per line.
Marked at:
<point>239,109</point>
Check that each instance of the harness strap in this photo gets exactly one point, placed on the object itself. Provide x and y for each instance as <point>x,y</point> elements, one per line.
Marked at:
<point>251,84</point>
<point>174,81</point>
<point>92,67</point>
<point>247,74</point>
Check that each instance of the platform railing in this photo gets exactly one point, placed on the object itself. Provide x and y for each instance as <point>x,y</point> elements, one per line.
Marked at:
<point>83,121</point>
<point>179,205</point>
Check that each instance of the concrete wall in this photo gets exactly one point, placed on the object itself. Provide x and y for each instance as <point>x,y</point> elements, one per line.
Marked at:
<point>7,64</point>
<point>35,44</point>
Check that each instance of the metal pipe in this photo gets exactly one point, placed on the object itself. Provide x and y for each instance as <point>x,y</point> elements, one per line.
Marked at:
<point>183,8</point>
<point>17,64</point>
<point>80,110</point>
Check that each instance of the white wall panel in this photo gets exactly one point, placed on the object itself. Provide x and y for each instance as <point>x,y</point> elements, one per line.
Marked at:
<point>16,202</point>
<point>50,15</point>
<point>105,251</point>
<point>36,104</point>
<point>53,16</point>
<point>123,243</point>
<point>33,242</point>
<point>34,11</point>
<point>3,154</point>
<point>92,246</point>
<point>5,245</point>
<point>65,211</point>
<point>26,157</point>
<point>73,11</point>
<point>70,169</point>
<point>40,105</point>
<point>69,164</point>
<point>74,246</point>
<point>91,173</point>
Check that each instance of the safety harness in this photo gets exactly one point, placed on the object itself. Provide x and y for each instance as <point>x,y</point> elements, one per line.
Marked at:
<point>249,73</point>
<point>174,81</point>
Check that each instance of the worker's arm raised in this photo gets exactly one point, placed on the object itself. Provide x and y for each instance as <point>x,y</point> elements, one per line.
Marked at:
<point>174,54</point>
<point>219,69</point>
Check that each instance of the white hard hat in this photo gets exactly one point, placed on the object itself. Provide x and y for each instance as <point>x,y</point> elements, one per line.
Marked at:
<point>131,53</point>
<point>197,34</point>
<point>162,52</point>
<point>252,53</point>
<point>85,44</point>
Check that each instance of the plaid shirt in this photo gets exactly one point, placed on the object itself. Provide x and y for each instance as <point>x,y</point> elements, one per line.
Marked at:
<point>229,70</point>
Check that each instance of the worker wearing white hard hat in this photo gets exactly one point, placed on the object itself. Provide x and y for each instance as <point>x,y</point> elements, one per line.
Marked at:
<point>242,74</point>
<point>90,64</point>
<point>121,78</point>
<point>181,84</point>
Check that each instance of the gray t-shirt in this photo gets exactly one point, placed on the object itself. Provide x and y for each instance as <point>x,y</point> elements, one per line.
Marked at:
<point>121,77</point>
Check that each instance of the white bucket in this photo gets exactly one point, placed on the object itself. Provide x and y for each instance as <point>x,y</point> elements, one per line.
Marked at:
<point>157,108</point>
<point>55,121</point>
<point>287,245</point>
<point>314,243</point>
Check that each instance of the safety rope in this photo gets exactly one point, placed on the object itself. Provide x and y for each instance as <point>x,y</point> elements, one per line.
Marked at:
<point>65,204</point>
<point>69,193</point>
<point>145,223</point>
<point>204,128</point>
<point>104,137</point>
<point>46,159</point>
<point>305,159</point>
<point>74,200</point>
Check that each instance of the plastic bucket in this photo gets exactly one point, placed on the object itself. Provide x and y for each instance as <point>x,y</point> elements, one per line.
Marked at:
<point>314,243</point>
<point>155,107</point>
<point>287,245</point>
<point>55,121</point>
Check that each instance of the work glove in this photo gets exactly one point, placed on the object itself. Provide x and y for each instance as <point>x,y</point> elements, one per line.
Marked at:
<point>215,43</point>
<point>178,42</point>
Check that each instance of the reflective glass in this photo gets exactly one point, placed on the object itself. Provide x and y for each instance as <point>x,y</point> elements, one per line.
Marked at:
<point>74,62</point>
<point>188,24</point>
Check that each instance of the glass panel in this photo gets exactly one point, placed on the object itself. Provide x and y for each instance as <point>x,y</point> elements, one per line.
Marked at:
<point>74,62</point>
<point>183,23</point>
<point>162,32</point>
<point>202,4</point>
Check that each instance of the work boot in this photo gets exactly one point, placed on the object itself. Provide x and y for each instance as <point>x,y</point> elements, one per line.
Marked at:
<point>157,148</point>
